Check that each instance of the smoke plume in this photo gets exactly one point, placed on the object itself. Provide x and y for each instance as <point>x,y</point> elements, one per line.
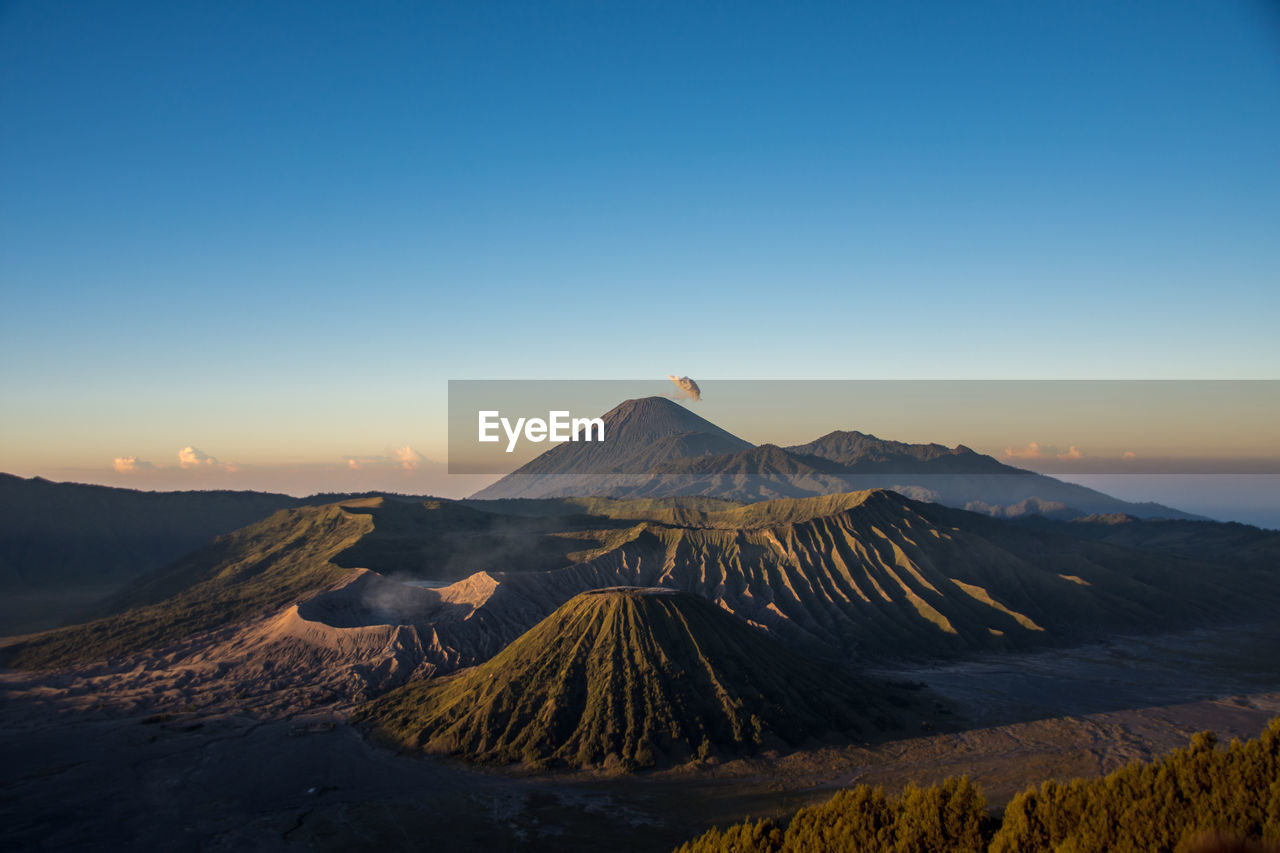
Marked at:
<point>687,388</point>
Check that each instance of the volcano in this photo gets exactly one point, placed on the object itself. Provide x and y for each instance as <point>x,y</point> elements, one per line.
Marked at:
<point>641,435</point>
<point>655,448</point>
<point>630,677</point>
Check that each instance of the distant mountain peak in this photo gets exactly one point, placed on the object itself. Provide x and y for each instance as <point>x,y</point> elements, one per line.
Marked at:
<point>653,401</point>
<point>656,417</point>
<point>641,435</point>
<point>656,447</point>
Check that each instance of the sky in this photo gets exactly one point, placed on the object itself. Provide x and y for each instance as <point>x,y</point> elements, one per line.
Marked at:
<point>1181,427</point>
<point>269,233</point>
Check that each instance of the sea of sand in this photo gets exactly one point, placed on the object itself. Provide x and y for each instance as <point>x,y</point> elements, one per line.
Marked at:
<point>152,757</point>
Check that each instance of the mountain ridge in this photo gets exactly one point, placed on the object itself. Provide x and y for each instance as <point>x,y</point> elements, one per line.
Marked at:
<point>869,575</point>
<point>650,465</point>
<point>858,452</point>
<point>55,533</point>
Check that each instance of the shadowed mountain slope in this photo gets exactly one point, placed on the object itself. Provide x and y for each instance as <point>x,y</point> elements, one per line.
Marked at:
<point>1237,544</point>
<point>247,574</point>
<point>59,534</point>
<point>67,548</point>
<point>631,677</point>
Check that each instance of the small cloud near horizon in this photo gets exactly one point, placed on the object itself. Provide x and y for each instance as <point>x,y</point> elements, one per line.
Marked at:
<point>191,457</point>
<point>1036,450</point>
<point>130,464</point>
<point>399,468</point>
<point>1031,451</point>
<point>405,458</point>
<point>409,458</point>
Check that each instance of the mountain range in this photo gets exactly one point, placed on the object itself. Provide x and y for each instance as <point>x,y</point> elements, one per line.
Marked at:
<point>655,447</point>
<point>59,537</point>
<point>373,591</point>
<point>583,612</point>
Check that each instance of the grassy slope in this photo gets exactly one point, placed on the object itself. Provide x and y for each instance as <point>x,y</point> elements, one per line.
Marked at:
<point>630,676</point>
<point>251,572</point>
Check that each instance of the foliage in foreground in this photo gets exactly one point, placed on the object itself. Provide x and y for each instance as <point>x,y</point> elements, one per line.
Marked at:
<point>1171,804</point>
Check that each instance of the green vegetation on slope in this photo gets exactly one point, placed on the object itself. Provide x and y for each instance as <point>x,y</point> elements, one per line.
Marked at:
<point>947,818</point>
<point>252,572</point>
<point>632,677</point>
<point>1165,805</point>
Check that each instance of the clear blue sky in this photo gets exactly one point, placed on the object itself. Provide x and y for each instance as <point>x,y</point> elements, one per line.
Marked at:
<point>273,230</point>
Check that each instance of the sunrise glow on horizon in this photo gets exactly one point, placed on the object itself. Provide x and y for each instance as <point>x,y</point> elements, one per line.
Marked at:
<point>262,272</point>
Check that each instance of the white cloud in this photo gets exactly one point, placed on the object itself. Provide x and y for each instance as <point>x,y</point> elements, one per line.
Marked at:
<point>190,457</point>
<point>397,469</point>
<point>1031,451</point>
<point>409,458</point>
<point>405,458</point>
<point>130,464</point>
<point>1036,450</point>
